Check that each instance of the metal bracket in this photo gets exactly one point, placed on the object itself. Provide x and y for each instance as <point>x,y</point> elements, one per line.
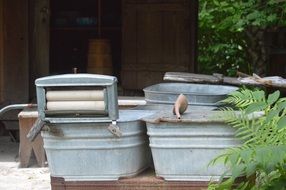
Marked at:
<point>114,129</point>
<point>53,130</point>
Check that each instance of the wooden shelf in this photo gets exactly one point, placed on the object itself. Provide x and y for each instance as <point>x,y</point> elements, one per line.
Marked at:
<point>73,23</point>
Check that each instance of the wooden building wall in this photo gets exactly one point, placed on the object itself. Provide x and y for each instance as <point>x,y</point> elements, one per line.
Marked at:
<point>24,48</point>
<point>158,36</point>
<point>14,51</point>
<point>1,50</point>
<point>276,42</point>
<point>39,41</point>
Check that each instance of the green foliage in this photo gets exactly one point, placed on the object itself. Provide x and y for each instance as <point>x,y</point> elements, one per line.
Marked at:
<point>244,98</point>
<point>221,54</point>
<point>222,26</point>
<point>260,124</point>
<point>263,168</point>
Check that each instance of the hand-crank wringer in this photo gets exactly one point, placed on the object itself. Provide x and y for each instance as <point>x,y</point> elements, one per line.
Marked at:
<point>78,98</point>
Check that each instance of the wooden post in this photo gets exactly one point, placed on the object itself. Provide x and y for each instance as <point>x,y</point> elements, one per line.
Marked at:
<point>1,49</point>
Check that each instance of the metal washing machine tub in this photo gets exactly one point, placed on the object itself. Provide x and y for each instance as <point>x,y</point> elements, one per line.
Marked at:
<point>86,137</point>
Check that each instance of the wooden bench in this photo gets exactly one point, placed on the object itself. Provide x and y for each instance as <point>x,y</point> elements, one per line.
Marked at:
<point>27,118</point>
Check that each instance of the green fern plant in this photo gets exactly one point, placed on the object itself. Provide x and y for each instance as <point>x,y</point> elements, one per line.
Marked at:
<point>245,97</point>
<point>260,123</point>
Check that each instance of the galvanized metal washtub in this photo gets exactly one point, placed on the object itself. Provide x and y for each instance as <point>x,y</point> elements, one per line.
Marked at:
<point>86,143</point>
<point>197,94</point>
<point>87,151</point>
<point>169,107</point>
<point>182,149</point>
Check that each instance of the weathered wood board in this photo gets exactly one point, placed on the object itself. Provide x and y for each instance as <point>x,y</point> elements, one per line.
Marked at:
<point>271,81</point>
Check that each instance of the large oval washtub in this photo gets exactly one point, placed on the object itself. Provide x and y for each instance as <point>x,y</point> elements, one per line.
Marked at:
<point>197,94</point>
<point>182,149</point>
<point>89,152</point>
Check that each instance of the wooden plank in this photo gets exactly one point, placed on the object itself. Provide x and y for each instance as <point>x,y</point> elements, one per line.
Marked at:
<point>201,78</point>
<point>26,147</point>
<point>232,81</point>
<point>149,39</point>
<point>129,44</point>
<point>129,78</point>
<point>129,35</point>
<point>194,9</point>
<point>1,50</point>
<point>39,40</point>
<point>191,77</point>
<point>254,80</point>
<point>15,64</point>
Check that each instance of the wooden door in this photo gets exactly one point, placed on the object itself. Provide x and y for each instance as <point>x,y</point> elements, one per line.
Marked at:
<point>24,48</point>
<point>39,36</point>
<point>156,39</point>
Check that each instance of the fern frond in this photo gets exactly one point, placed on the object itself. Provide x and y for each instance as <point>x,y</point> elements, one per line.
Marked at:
<point>246,128</point>
<point>263,152</point>
<point>244,98</point>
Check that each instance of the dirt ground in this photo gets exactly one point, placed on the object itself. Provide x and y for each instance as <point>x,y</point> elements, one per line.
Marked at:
<point>14,178</point>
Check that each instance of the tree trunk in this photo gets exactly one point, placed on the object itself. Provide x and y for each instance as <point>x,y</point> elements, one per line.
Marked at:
<point>257,50</point>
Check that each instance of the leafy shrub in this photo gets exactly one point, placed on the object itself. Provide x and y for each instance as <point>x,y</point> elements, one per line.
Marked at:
<point>231,34</point>
<point>262,157</point>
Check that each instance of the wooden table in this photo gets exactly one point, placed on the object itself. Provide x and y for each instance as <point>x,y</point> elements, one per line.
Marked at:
<point>26,120</point>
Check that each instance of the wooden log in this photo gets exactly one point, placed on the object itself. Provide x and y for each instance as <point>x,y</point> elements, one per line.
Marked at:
<point>191,77</point>
<point>255,80</point>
